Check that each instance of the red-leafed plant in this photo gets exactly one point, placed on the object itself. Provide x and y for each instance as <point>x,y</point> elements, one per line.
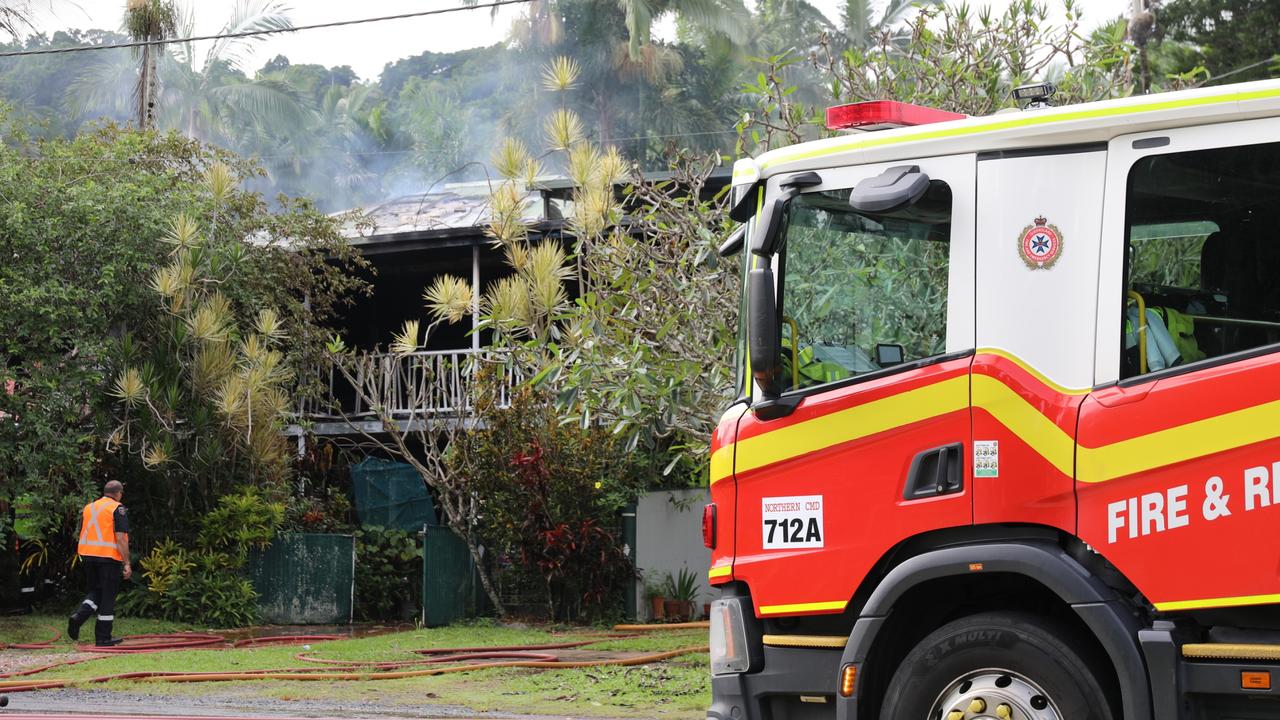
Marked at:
<point>549,499</point>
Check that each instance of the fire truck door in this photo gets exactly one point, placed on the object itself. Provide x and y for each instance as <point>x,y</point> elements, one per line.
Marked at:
<point>1039,217</point>
<point>1178,464</point>
<point>877,338</point>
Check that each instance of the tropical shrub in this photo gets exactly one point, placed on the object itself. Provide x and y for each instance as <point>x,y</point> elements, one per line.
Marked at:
<point>549,496</point>
<point>81,228</point>
<point>205,584</point>
<point>388,572</point>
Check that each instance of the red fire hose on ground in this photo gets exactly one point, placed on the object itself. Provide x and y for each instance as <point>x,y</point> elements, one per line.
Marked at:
<point>439,661</point>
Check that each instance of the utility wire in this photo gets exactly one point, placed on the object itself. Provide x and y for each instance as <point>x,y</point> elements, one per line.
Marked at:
<point>255,33</point>
<point>1272,59</point>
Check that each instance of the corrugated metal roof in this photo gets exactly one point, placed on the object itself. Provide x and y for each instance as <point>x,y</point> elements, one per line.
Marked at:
<point>453,208</point>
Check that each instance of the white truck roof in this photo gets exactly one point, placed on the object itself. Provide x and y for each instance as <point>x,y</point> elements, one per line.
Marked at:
<point>1040,128</point>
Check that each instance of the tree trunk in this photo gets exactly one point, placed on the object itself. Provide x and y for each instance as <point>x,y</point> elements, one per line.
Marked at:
<point>485,582</point>
<point>153,86</point>
<point>144,85</point>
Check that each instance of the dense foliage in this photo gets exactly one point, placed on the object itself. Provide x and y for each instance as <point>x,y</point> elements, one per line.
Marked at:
<point>204,582</point>
<point>549,496</point>
<point>82,232</point>
<point>388,573</point>
<point>1236,40</point>
<point>432,118</point>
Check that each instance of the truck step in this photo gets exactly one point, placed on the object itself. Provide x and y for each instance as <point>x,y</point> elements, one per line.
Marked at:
<point>806,641</point>
<point>1231,651</point>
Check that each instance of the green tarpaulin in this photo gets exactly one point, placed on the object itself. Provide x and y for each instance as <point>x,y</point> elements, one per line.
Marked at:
<point>391,495</point>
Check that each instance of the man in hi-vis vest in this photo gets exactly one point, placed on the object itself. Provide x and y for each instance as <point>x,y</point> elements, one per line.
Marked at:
<point>104,550</point>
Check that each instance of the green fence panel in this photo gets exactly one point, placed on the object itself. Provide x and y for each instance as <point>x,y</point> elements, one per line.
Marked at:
<point>391,494</point>
<point>448,578</point>
<point>305,579</point>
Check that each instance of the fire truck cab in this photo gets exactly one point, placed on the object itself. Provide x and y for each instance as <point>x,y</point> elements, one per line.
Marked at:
<point>1008,440</point>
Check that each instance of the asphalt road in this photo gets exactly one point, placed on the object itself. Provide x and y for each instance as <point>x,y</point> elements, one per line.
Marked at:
<point>65,704</point>
<point>6,715</point>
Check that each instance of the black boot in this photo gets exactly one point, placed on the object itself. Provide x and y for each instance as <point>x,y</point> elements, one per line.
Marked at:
<point>102,634</point>
<point>77,619</point>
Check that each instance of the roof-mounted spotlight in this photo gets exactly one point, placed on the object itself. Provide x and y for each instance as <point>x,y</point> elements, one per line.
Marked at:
<point>1036,95</point>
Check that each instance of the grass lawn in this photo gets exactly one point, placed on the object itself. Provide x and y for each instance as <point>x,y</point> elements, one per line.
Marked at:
<point>677,688</point>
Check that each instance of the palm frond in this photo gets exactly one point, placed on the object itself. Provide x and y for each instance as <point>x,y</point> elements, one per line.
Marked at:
<point>129,387</point>
<point>248,16</point>
<point>511,158</point>
<point>584,164</point>
<point>269,325</point>
<point>220,181</point>
<point>561,74</point>
<point>448,298</point>
<point>183,234</point>
<point>563,129</point>
<point>507,303</point>
<point>639,21</point>
<point>405,341</point>
<point>273,105</point>
<point>726,18</point>
<point>506,222</point>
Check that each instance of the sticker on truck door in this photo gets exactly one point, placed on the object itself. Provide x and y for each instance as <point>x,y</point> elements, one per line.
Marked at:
<point>792,522</point>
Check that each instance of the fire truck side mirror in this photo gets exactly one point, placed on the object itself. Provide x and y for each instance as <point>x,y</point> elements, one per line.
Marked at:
<point>769,225</point>
<point>768,236</point>
<point>894,188</point>
<point>766,355</point>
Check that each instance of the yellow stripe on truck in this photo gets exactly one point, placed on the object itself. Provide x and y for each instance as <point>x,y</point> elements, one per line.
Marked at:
<point>1003,122</point>
<point>1029,424</point>
<point>851,424</point>
<point>1217,602</point>
<point>803,607</point>
<point>1161,448</point>
<point>1178,444</point>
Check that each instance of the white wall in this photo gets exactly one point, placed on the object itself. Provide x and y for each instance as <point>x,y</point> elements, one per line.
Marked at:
<point>669,538</point>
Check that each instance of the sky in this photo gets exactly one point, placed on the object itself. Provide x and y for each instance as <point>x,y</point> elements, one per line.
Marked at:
<point>367,48</point>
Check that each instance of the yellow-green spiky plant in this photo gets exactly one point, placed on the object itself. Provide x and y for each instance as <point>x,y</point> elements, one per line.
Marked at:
<point>219,361</point>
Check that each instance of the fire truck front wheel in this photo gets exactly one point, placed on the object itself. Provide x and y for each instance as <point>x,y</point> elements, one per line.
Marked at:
<point>997,666</point>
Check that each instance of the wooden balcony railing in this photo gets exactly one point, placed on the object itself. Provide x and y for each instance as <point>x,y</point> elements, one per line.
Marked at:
<point>418,385</point>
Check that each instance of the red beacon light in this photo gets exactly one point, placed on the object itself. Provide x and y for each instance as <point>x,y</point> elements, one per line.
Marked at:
<point>884,115</point>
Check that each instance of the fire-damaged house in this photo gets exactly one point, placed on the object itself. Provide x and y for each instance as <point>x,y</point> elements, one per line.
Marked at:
<point>410,241</point>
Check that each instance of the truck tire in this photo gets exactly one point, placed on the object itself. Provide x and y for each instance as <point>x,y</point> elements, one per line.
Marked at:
<point>976,665</point>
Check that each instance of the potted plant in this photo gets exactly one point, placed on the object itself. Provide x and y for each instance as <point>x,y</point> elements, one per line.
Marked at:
<point>657,601</point>
<point>684,591</point>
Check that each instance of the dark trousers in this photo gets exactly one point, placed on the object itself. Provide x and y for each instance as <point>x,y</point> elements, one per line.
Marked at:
<point>104,582</point>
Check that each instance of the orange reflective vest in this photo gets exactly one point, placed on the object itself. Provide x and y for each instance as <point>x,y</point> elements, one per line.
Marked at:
<point>98,530</point>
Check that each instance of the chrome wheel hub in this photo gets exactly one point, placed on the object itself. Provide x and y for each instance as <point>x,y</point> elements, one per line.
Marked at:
<point>994,694</point>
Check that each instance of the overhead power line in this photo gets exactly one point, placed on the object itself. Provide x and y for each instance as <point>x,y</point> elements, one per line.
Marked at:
<point>255,33</point>
<point>1266,61</point>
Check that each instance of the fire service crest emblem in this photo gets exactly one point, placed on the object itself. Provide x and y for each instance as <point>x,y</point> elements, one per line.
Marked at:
<point>1040,244</point>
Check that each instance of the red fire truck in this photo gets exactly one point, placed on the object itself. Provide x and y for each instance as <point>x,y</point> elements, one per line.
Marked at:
<point>1008,440</point>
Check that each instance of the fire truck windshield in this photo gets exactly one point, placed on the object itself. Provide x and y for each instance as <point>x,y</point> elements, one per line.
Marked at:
<point>860,292</point>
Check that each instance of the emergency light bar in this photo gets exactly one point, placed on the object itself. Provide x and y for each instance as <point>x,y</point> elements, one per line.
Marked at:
<point>883,115</point>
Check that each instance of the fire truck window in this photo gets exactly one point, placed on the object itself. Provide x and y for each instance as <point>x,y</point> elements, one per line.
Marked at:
<point>857,285</point>
<point>1201,255</point>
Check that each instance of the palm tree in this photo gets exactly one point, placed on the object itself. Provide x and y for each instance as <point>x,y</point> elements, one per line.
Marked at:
<point>14,15</point>
<point>207,97</point>
<point>543,26</point>
<point>726,18</point>
<point>213,98</point>
<point>861,28</point>
<point>147,21</point>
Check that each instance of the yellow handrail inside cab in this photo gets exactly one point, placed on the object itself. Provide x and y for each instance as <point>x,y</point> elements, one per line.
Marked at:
<point>1135,296</point>
<point>795,350</point>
